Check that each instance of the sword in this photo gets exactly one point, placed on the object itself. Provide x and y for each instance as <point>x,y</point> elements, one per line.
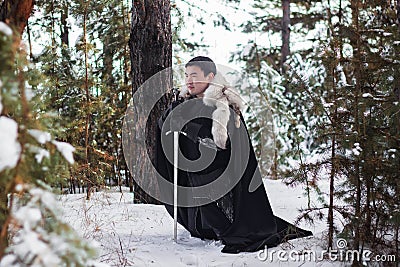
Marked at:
<point>176,147</point>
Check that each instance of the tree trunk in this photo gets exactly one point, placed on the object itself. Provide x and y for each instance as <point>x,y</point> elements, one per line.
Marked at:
<point>3,217</point>
<point>151,51</point>
<point>333,166</point>
<point>89,175</point>
<point>355,43</point>
<point>16,13</point>
<point>285,51</point>
<point>398,14</point>
<point>64,25</point>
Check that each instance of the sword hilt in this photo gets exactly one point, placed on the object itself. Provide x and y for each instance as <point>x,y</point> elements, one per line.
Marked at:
<point>176,92</point>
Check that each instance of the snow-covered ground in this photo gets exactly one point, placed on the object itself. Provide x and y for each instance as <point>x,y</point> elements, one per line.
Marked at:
<point>141,235</point>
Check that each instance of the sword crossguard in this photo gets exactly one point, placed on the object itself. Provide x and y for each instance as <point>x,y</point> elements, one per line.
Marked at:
<point>180,132</point>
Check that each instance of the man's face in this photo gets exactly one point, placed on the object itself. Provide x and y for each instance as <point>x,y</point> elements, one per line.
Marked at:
<point>196,81</point>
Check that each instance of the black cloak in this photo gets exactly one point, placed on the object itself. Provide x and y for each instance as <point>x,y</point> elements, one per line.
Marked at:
<point>241,219</point>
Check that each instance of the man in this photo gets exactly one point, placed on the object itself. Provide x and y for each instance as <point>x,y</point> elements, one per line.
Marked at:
<point>217,166</point>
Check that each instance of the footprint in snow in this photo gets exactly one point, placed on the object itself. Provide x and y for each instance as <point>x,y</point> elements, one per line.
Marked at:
<point>190,260</point>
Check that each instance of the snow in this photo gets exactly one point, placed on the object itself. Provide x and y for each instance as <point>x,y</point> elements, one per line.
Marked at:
<point>8,260</point>
<point>37,240</point>
<point>342,76</point>
<point>247,50</point>
<point>30,216</point>
<point>367,95</point>
<point>66,150</point>
<point>29,93</point>
<point>40,153</point>
<point>10,148</point>
<point>70,21</point>
<point>357,149</point>
<point>19,188</point>
<point>141,234</point>
<point>29,243</point>
<point>40,136</point>
<point>5,29</point>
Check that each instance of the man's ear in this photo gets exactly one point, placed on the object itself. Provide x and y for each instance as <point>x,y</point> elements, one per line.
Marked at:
<point>210,77</point>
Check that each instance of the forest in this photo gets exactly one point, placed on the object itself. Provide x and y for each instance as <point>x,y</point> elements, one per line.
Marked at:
<point>324,105</point>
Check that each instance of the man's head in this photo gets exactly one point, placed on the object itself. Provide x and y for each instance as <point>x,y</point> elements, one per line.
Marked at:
<point>200,71</point>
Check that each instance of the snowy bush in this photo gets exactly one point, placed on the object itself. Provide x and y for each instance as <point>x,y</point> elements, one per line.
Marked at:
<point>39,237</point>
<point>31,160</point>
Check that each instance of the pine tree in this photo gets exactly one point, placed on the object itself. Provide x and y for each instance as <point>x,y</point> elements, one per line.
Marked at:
<point>359,108</point>
<point>373,131</point>
<point>89,84</point>
<point>291,107</point>
<point>31,160</point>
<point>343,116</point>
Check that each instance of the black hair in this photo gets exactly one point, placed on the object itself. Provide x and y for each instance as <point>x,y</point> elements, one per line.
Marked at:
<point>204,63</point>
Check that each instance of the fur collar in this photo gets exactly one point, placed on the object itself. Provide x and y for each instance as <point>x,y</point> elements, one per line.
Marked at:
<point>220,95</point>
